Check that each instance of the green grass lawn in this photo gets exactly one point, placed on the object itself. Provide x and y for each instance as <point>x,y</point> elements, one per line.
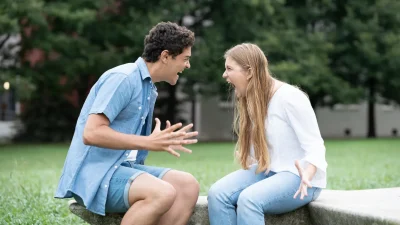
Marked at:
<point>29,173</point>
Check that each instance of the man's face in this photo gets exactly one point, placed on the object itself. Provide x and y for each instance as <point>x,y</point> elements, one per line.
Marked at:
<point>177,65</point>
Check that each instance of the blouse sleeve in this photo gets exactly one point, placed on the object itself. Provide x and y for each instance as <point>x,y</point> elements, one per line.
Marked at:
<point>302,119</point>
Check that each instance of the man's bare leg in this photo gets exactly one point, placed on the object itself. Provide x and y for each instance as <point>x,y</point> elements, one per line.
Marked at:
<point>150,198</point>
<point>187,192</point>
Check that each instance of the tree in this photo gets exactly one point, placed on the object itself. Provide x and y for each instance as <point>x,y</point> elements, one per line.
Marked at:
<point>66,46</point>
<point>367,49</point>
<point>295,36</point>
<point>297,43</point>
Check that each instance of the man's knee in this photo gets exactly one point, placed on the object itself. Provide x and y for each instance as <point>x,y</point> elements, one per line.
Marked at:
<point>156,193</point>
<point>189,185</point>
<point>185,183</point>
<point>164,197</point>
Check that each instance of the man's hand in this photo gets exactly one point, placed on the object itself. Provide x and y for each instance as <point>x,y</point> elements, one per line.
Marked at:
<point>170,140</point>
<point>305,176</point>
<point>187,135</point>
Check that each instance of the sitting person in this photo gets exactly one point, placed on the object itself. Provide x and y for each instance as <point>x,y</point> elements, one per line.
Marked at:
<point>103,170</point>
<point>280,148</point>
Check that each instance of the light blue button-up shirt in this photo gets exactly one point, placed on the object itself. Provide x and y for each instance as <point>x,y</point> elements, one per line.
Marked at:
<point>126,95</point>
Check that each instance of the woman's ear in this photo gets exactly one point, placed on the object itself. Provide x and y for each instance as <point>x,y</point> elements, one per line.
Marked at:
<point>249,74</point>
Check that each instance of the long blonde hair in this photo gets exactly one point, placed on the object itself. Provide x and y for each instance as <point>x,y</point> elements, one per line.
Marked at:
<point>251,109</point>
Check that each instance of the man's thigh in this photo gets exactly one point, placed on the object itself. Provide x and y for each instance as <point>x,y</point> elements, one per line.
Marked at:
<point>155,171</point>
<point>120,194</point>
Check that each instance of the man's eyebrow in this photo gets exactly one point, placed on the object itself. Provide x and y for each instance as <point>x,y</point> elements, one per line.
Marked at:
<point>187,57</point>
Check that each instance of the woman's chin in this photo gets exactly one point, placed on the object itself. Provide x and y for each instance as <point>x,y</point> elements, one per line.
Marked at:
<point>237,93</point>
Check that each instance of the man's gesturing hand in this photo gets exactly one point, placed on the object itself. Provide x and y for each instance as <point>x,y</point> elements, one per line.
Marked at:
<point>187,135</point>
<point>170,140</point>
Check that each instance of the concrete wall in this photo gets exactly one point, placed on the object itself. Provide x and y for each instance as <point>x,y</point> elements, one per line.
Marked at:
<point>333,122</point>
<point>7,130</point>
<point>216,118</point>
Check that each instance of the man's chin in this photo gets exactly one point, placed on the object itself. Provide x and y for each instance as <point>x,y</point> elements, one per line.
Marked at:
<point>173,82</point>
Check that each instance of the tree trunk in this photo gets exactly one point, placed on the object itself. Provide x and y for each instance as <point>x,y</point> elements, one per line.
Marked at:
<point>371,109</point>
<point>193,113</point>
<point>171,104</point>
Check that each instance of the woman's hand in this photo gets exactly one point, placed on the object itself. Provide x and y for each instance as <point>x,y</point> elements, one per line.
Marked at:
<point>305,176</point>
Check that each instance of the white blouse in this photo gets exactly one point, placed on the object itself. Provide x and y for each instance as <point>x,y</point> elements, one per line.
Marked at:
<point>293,133</point>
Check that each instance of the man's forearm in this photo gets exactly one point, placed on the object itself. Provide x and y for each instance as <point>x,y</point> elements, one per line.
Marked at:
<point>105,137</point>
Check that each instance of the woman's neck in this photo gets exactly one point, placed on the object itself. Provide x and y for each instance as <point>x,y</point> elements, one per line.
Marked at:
<point>276,85</point>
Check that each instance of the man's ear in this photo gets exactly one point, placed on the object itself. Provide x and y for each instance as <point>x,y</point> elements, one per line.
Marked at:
<point>164,56</point>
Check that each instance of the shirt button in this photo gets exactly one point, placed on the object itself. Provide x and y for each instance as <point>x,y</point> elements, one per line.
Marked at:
<point>148,98</point>
<point>126,154</point>
<point>140,107</point>
<point>106,186</point>
<point>115,167</point>
<point>142,117</point>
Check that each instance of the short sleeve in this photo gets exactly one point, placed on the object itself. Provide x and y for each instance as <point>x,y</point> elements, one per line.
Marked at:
<point>112,95</point>
<point>303,120</point>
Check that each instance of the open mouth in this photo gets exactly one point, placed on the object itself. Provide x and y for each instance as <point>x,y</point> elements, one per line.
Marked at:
<point>231,84</point>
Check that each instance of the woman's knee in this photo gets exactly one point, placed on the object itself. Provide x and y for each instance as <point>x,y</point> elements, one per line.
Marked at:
<point>216,193</point>
<point>248,200</point>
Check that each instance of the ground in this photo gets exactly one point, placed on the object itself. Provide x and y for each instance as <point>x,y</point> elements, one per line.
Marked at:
<point>29,173</point>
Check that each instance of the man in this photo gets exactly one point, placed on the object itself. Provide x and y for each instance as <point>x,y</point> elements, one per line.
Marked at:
<point>101,172</point>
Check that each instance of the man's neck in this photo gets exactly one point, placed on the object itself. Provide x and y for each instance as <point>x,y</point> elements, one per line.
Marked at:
<point>154,70</point>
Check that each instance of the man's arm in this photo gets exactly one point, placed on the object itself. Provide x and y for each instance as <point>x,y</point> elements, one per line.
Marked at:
<point>97,132</point>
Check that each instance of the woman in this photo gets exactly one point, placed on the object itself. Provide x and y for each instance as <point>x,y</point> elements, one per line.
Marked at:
<point>280,148</point>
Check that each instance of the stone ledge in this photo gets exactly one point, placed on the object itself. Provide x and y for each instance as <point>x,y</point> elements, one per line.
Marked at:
<point>372,206</point>
<point>376,206</point>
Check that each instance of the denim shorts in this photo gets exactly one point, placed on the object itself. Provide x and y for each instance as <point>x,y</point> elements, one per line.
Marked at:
<point>117,196</point>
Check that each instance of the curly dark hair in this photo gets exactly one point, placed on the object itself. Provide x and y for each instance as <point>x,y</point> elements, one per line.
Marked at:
<point>166,36</point>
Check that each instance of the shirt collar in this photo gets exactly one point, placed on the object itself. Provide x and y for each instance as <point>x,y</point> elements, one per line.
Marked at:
<point>144,71</point>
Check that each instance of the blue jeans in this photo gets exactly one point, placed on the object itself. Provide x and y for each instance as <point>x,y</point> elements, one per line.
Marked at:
<point>243,197</point>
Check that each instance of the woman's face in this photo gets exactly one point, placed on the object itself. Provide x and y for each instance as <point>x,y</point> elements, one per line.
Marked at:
<point>236,76</point>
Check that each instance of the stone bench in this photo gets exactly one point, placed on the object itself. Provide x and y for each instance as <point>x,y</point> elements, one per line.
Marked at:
<point>333,207</point>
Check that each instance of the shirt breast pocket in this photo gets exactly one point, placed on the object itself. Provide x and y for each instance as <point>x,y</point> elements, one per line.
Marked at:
<point>131,111</point>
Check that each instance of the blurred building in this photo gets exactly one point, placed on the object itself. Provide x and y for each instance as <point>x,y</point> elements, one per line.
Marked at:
<point>9,107</point>
<point>214,117</point>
